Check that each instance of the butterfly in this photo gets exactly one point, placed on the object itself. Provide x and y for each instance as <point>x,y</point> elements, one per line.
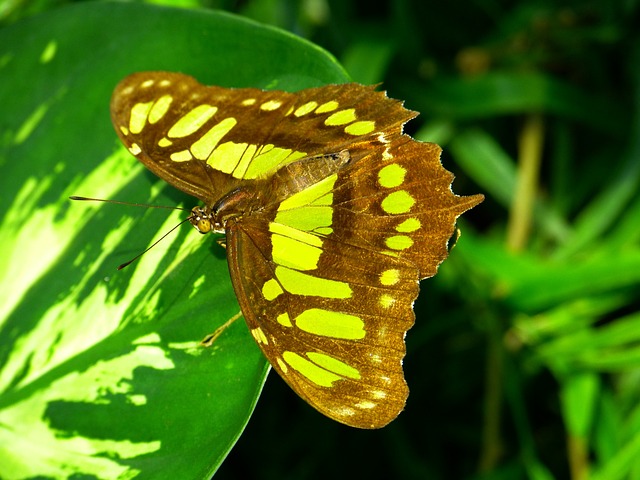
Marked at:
<point>331,216</point>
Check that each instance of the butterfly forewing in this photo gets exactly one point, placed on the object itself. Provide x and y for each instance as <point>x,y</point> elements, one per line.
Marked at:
<point>332,217</point>
<point>175,126</point>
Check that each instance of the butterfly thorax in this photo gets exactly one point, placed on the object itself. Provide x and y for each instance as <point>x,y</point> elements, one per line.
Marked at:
<point>237,203</point>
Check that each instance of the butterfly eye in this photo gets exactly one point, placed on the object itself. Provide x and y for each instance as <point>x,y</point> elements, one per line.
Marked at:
<point>203,225</point>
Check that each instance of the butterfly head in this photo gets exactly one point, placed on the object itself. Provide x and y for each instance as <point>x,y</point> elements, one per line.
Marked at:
<point>203,219</point>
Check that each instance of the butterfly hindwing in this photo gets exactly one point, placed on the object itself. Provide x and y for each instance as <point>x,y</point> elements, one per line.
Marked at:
<point>318,323</point>
<point>397,199</point>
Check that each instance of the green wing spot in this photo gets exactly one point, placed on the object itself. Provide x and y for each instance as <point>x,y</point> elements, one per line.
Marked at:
<point>138,117</point>
<point>305,109</point>
<point>323,200</point>
<point>204,146</point>
<point>390,277</point>
<point>300,283</point>
<point>391,176</point>
<point>271,289</point>
<point>226,157</point>
<point>399,242</point>
<point>327,107</point>
<point>160,108</point>
<point>181,156</point>
<point>284,320</point>
<point>293,253</point>
<point>310,209</point>
<point>331,324</point>
<point>409,225</point>
<point>271,105</point>
<point>334,365</point>
<point>360,128</point>
<point>192,121</point>
<point>314,373</point>
<point>259,336</point>
<point>398,202</point>
<point>308,218</point>
<point>340,118</point>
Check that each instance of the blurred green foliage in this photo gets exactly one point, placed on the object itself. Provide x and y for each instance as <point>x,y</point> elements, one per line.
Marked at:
<point>525,358</point>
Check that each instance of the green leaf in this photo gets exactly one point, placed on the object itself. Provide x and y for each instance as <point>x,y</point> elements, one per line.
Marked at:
<point>102,373</point>
<point>529,285</point>
<point>620,465</point>
<point>366,60</point>
<point>578,397</point>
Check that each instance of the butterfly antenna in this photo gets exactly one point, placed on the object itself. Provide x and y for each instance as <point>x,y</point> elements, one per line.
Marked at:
<point>132,204</point>
<point>120,267</point>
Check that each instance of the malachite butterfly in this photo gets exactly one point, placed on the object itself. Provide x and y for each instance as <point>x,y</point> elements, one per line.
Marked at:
<point>332,217</point>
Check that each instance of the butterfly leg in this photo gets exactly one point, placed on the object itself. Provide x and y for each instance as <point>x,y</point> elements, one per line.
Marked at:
<point>212,337</point>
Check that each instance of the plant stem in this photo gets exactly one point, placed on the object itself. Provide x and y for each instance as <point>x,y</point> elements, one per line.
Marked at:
<point>530,154</point>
